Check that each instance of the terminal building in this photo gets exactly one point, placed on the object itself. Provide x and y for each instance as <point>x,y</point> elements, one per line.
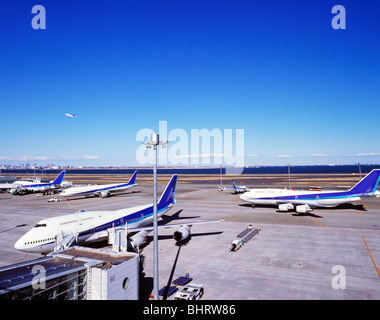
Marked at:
<point>77,273</point>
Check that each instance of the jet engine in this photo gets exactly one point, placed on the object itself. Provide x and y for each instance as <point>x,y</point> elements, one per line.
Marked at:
<point>303,209</point>
<point>138,239</point>
<point>48,191</point>
<point>103,194</point>
<point>285,207</point>
<point>18,191</point>
<point>182,233</point>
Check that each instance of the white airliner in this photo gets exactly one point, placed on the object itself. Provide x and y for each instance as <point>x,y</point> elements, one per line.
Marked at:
<point>238,189</point>
<point>102,191</point>
<point>70,115</point>
<point>305,201</point>
<point>54,234</point>
<point>24,187</point>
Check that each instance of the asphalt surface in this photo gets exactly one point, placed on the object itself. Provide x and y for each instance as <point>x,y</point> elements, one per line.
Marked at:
<point>327,254</point>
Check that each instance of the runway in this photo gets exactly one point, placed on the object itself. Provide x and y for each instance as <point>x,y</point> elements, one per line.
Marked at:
<point>294,256</point>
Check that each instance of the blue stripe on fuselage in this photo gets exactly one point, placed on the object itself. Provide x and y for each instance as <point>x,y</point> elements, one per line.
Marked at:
<point>37,185</point>
<point>128,219</point>
<point>312,197</point>
<point>103,189</point>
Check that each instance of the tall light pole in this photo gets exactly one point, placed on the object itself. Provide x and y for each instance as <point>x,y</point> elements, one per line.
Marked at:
<point>153,143</point>
<point>221,180</point>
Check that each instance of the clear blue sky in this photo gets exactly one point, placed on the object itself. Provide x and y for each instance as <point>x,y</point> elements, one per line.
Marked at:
<point>303,92</point>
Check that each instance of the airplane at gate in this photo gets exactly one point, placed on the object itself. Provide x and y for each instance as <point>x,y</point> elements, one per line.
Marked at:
<point>305,201</point>
<point>24,187</point>
<point>57,233</point>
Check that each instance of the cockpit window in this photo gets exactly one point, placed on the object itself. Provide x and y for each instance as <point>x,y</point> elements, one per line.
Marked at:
<point>40,225</point>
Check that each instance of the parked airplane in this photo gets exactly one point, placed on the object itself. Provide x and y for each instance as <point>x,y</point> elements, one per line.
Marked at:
<point>238,189</point>
<point>57,233</point>
<point>70,115</point>
<point>305,201</point>
<point>24,187</point>
<point>102,191</point>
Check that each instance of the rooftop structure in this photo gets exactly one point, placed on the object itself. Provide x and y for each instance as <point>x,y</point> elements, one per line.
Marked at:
<point>77,273</point>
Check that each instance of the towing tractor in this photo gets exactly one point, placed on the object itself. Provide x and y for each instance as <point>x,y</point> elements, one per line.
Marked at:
<point>190,292</point>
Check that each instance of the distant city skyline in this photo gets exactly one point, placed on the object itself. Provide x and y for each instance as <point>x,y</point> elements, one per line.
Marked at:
<point>303,92</point>
<point>79,164</point>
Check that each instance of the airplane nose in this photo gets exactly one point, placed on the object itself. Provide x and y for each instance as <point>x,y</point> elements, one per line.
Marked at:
<point>19,245</point>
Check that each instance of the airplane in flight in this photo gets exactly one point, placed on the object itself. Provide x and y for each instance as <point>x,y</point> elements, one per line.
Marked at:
<point>25,187</point>
<point>83,227</point>
<point>238,189</point>
<point>70,115</point>
<point>102,191</point>
<point>305,201</point>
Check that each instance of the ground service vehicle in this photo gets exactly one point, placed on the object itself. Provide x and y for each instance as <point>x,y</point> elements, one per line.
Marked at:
<point>190,292</point>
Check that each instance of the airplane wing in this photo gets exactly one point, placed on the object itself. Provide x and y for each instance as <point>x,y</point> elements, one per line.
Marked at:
<point>180,234</point>
<point>297,202</point>
<point>190,223</point>
<point>141,232</point>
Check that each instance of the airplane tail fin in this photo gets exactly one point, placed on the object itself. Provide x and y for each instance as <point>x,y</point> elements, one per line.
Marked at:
<point>368,184</point>
<point>167,196</point>
<point>233,183</point>
<point>132,180</point>
<point>60,178</point>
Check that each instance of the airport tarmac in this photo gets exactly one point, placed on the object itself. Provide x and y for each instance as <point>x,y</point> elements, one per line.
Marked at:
<point>294,256</point>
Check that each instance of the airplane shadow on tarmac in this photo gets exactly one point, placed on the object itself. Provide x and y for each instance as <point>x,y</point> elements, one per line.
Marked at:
<point>146,283</point>
<point>175,217</point>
